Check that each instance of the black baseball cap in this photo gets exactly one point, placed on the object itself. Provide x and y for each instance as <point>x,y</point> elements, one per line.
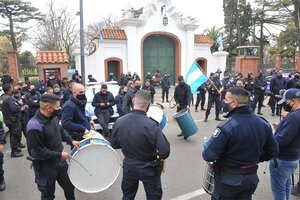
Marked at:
<point>292,93</point>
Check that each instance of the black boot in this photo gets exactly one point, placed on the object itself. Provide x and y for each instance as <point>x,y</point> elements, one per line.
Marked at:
<point>218,118</point>
<point>259,113</point>
<point>2,181</point>
<point>196,108</point>
<point>277,112</point>
<point>15,153</point>
<point>206,117</point>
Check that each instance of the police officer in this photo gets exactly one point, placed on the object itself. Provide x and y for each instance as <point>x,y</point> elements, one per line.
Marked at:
<point>165,86</point>
<point>183,97</point>
<point>277,83</point>
<point>103,102</point>
<point>292,83</point>
<point>44,141</point>
<point>201,96</point>
<point>73,117</point>
<point>2,142</point>
<point>237,146</point>
<point>11,111</point>
<point>32,99</point>
<point>127,101</point>
<point>144,148</point>
<point>287,135</point>
<point>23,117</point>
<point>260,85</point>
<point>215,89</point>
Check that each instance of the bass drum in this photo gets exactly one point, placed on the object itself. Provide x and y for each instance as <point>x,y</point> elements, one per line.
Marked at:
<point>95,166</point>
<point>156,113</point>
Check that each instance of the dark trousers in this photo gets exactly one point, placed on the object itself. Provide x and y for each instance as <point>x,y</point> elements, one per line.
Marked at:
<point>213,99</point>
<point>150,179</point>
<point>15,133</point>
<point>200,98</point>
<point>46,176</point>
<point>24,122</point>
<point>181,107</point>
<point>1,167</point>
<point>258,98</point>
<point>165,92</point>
<point>234,187</point>
<point>103,119</point>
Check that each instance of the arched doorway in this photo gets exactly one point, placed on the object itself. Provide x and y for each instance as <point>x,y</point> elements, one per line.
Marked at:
<point>202,62</point>
<point>114,65</point>
<point>161,50</point>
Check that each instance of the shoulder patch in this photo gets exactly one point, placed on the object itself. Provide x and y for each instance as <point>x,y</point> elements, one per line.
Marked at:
<point>216,132</point>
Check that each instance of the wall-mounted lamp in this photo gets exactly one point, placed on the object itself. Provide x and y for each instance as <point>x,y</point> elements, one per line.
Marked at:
<point>165,20</point>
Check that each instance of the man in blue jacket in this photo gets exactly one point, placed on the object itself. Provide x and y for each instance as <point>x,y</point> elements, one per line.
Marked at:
<point>237,146</point>
<point>73,116</point>
<point>277,83</point>
<point>287,135</point>
<point>260,86</point>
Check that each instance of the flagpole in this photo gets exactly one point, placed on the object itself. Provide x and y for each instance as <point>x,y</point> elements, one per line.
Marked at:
<point>208,78</point>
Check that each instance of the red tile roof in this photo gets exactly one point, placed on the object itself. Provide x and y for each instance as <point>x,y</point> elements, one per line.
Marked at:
<point>111,34</point>
<point>203,39</point>
<point>43,57</point>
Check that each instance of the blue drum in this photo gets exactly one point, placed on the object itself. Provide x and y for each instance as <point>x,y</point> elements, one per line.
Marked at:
<point>186,123</point>
<point>95,166</point>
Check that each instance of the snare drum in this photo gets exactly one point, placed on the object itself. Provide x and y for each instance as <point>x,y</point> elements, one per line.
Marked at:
<point>95,166</point>
<point>157,114</point>
<point>208,180</point>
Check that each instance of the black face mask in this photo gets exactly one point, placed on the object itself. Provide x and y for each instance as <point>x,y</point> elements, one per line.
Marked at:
<point>81,97</point>
<point>287,107</point>
<point>55,113</point>
<point>296,76</point>
<point>137,87</point>
<point>17,97</point>
<point>124,93</point>
<point>33,91</point>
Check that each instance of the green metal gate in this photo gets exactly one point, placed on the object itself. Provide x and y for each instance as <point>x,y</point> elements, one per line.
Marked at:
<point>113,66</point>
<point>159,52</point>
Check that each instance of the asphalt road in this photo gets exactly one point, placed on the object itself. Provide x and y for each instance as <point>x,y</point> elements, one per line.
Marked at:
<point>184,168</point>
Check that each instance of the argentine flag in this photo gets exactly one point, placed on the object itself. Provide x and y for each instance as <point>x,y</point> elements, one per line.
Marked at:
<point>220,42</point>
<point>195,77</point>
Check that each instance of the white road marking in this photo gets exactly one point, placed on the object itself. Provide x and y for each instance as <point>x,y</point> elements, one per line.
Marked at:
<point>190,195</point>
<point>199,120</point>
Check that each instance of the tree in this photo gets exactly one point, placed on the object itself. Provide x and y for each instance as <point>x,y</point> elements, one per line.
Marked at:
<point>57,31</point>
<point>268,13</point>
<point>237,23</point>
<point>17,13</point>
<point>27,60</point>
<point>213,34</point>
<point>5,46</point>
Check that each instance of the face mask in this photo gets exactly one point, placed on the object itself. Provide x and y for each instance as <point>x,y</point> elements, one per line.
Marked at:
<point>55,113</point>
<point>296,76</point>
<point>279,76</point>
<point>229,108</point>
<point>16,97</point>
<point>33,91</point>
<point>137,87</point>
<point>287,107</point>
<point>81,97</point>
<point>124,92</point>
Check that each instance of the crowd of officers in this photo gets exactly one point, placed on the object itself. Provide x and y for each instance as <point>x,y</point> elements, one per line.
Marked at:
<point>256,86</point>
<point>36,110</point>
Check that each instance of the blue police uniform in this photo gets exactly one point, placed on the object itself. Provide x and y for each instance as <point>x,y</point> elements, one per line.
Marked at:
<point>259,92</point>
<point>73,118</point>
<point>44,141</point>
<point>237,146</point>
<point>140,145</point>
<point>201,96</point>
<point>32,99</point>
<point>2,142</point>
<point>11,111</point>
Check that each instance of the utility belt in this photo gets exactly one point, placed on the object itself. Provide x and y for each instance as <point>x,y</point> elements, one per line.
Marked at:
<point>249,169</point>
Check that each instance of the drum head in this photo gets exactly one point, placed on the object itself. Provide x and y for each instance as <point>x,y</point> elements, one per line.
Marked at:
<point>156,113</point>
<point>94,167</point>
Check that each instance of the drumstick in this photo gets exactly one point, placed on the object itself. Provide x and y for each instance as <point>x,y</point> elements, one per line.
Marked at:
<point>81,165</point>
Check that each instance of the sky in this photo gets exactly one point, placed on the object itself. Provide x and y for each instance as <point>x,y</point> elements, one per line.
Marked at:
<point>209,13</point>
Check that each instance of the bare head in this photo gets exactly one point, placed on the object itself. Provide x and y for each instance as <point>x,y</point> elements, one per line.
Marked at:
<point>236,97</point>
<point>78,89</point>
<point>142,100</point>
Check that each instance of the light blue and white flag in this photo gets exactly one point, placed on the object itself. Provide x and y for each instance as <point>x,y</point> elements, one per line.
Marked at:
<point>195,77</point>
<point>220,42</point>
